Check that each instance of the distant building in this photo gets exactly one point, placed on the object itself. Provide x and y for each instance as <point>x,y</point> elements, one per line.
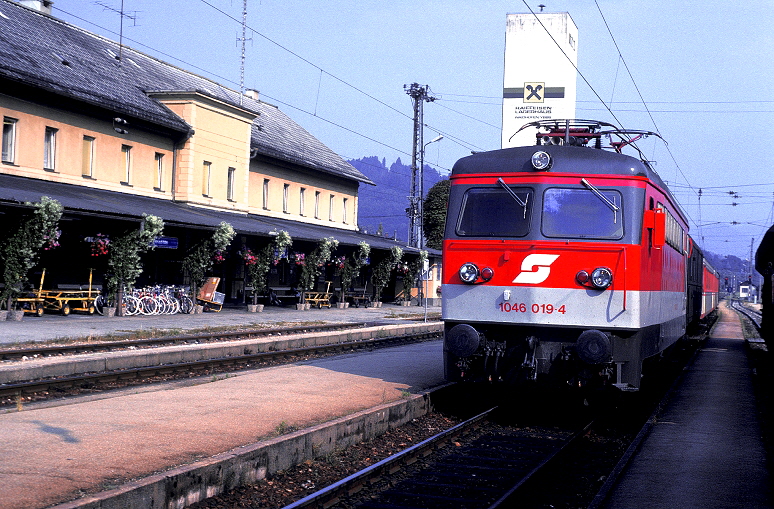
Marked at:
<point>539,83</point>
<point>113,133</point>
<point>748,291</point>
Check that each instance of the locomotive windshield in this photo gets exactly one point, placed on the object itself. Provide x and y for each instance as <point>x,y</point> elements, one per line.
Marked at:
<point>493,212</point>
<point>582,213</point>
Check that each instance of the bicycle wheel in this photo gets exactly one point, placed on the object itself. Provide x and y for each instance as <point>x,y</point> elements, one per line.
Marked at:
<point>131,305</point>
<point>148,305</point>
<point>186,305</point>
<point>99,303</point>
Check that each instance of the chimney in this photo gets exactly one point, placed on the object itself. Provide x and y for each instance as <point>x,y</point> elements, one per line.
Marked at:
<point>43,6</point>
<point>252,94</point>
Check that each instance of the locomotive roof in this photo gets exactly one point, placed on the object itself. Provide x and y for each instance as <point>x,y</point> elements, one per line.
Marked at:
<point>566,159</point>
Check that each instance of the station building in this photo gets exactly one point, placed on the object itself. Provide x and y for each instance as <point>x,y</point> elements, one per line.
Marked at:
<point>112,133</point>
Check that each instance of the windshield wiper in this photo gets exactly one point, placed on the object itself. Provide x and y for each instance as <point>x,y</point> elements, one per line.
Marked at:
<point>602,197</point>
<point>515,196</point>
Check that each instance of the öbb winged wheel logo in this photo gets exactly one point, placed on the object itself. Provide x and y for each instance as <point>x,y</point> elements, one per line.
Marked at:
<point>535,268</point>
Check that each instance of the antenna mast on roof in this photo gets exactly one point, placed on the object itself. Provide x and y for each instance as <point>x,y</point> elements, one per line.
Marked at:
<point>122,14</point>
<point>243,40</point>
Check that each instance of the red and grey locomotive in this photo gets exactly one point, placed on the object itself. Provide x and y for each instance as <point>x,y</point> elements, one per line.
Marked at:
<point>566,261</point>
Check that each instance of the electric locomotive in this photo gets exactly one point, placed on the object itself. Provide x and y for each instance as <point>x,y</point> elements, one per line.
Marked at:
<point>565,261</point>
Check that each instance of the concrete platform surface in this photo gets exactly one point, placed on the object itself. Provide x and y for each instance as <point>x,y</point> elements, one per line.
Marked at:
<point>705,449</point>
<point>52,454</point>
<point>77,325</point>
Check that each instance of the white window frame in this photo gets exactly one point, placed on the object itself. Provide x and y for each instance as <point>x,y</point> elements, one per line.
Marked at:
<point>301,200</point>
<point>265,194</point>
<point>88,153</point>
<point>49,149</point>
<point>231,183</point>
<point>285,197</point>
<point>127,151</point>
<point>9,140</point>
<point>344,212</point>
<point>317,204</point>
<point>206,176</point>
<point>159,158</point>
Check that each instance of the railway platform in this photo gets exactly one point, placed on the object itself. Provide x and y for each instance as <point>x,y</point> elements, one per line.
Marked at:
<point>50,327</point>
<point>705,448</point>
<point>171,444</point>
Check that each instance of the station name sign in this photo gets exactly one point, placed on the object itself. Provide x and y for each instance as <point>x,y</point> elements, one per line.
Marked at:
<point>165,242</point>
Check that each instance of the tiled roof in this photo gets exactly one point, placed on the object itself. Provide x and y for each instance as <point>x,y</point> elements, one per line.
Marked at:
<point>44,52</point>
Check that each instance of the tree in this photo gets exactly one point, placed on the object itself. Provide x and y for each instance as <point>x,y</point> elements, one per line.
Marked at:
<point>199,260</point>
<point>20,251</point>
<point>258,265</point>
<point>124,262</point>
<point>435,206</point>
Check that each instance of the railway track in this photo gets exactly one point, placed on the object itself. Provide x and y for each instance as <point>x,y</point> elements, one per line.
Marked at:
<point>197,368</point>
<point>488,471</point>
<point>751,314</point>
<point>10,354</point>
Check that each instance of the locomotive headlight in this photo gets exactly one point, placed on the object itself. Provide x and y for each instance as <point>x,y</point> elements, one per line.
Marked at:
<point>541,160</point>
<point>469,273</point>
<point>601,277</point>
<point>487,273</point>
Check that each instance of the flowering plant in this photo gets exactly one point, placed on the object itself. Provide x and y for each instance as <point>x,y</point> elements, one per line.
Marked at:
<point>298,258</point>
<point>51,241</point>
<point>218,256</point>
<point>338,262</point>
<point>248,256</point>
<point>402,269</point>
<point>99,245</point>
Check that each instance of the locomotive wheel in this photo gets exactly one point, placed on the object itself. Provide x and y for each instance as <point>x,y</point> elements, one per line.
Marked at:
<point>91,309</point>
<point>39,309</point>
<point>66,308</point>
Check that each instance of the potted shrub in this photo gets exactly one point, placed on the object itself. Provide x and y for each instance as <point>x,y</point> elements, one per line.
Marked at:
<point>124,262</point>
<point>21,249</point>
<point>202,257</point>
<point>258,264</point>
<point>380,274</point>
<point>409,274</point>
<point>313,263</point>
<point>351,269</point>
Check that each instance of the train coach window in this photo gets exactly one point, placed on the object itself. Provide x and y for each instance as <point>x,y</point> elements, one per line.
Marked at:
<point>494,212</point>
<point>581,213</point>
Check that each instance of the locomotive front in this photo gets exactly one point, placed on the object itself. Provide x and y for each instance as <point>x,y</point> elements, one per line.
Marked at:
<point>552,266</point>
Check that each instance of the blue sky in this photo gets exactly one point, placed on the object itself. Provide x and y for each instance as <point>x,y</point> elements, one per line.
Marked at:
<point>704,69</point>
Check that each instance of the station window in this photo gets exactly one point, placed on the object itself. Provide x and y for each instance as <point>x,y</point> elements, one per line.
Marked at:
<point>285,198</point>
<point>317,204</point>
<point>330,208</point>
<point>49,149</point>
<point>344,212</point>
<point>302,200</point>
<point>9,140</point>
<point>230,184</point>
<point>206,176</point>
<point>87,156</point>
<point>265,194</point>
<point>159,171</point>
<point>126,150</point>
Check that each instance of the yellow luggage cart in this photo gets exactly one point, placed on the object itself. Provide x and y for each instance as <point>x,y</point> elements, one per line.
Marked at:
<point>32,302</point>
<point>63,301</point>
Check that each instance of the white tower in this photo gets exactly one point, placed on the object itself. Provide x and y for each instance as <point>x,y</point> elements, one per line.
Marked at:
<point>541,52</point>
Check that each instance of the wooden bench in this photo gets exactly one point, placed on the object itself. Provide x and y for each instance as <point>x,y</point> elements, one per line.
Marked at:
<point>319,299</point>
<point>357,296</point>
